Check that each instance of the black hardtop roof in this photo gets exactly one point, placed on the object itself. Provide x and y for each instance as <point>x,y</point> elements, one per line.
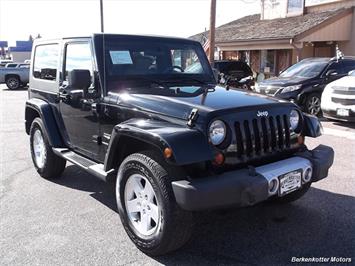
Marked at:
<point>130,36</point>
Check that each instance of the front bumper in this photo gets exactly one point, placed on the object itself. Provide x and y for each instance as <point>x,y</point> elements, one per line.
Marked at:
<point>332,114</point>
<point>247,187</point>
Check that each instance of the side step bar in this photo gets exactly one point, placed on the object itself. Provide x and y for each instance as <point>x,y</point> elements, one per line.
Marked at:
<point>88,165</point>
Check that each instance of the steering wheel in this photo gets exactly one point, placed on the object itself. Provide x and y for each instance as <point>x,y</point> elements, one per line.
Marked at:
<point>172,68</point>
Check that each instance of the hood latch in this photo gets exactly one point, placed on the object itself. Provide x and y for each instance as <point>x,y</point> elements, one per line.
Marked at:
<point>192,117</point>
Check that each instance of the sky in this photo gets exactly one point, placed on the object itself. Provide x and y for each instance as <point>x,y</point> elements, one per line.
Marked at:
<point>56,18</point>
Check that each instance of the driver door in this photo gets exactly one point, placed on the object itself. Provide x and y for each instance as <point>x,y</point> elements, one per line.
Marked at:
<point>77,110</point>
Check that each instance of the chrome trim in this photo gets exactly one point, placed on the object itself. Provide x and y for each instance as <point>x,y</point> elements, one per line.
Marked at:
<point>272,171</point>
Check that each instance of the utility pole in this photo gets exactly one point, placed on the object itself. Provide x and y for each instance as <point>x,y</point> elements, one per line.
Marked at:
<point>212,31</point>
<point>102,15</point>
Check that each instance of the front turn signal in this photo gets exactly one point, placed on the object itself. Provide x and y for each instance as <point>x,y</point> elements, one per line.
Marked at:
<point>168,152</point>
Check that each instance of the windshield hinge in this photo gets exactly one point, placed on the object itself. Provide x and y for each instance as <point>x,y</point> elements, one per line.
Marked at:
<point>192,117</point>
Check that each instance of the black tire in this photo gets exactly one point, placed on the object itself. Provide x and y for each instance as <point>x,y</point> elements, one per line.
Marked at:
<point>293,196</point>
<point>175,225</point>
<point>53,165</point>
<point>312,104</point>
<point>13,82</point>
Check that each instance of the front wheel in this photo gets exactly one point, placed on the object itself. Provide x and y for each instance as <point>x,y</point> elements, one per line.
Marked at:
<point>147,206</point>
<point>312,104</point>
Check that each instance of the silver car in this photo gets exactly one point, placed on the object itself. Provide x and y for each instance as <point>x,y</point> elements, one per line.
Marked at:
<point>338,99</point>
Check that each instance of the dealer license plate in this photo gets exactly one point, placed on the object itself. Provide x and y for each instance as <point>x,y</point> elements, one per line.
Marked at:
<point>290,182</point>
<point>343,112</point>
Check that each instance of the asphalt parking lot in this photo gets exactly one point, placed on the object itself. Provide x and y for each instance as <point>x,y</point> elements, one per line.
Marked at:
<point>73,220</point>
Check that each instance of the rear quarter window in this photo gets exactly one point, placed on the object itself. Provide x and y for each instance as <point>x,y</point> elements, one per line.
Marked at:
<point>46,61</point>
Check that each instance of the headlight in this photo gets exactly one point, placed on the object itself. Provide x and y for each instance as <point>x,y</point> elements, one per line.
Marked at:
<point>217,132</point>
<point>294,119</point>
<point>256,87</point>
<point>291,88</point>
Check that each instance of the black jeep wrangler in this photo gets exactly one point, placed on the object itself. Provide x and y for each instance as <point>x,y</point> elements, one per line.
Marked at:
<point>146,113</point>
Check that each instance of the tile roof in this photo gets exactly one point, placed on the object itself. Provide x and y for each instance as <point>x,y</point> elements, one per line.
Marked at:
<point>251,28</point>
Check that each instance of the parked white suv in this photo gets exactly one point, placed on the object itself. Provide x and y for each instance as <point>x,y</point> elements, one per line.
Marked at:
<point>338,99</point>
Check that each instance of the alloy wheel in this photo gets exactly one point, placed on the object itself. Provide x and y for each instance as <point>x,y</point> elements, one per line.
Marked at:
<point>314,105</point>
<point>13,83</point>
<point>142,205</point>
<point>39,149</point>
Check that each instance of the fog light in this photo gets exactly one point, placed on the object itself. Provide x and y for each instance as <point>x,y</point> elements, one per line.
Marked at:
<point>273,186</point>
<point>307,175</point>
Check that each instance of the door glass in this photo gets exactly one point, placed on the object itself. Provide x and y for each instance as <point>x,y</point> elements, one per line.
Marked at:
<point>78,56</point>
<point>337,67</point>
<point>349,65</point>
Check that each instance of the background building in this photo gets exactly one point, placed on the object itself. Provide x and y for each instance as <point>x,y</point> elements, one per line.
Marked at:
<point>20,52</point>
<point>287,31</point>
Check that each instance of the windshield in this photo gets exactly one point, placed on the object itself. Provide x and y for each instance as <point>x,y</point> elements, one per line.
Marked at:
<point>144,62</point>
<point>305,69</point>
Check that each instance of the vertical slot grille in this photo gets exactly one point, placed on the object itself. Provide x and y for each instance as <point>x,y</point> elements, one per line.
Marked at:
<point>261,136</point>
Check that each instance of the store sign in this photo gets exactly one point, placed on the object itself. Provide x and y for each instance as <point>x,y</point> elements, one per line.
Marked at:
<point>295,7</point>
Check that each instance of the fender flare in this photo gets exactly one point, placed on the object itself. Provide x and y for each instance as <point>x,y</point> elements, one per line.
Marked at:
<point>312,127</point>
<point>308,90</point>
<point>188,145</point>
<point>44,111</point>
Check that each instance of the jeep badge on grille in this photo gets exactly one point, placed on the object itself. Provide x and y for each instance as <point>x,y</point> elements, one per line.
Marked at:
<point>262,113</point>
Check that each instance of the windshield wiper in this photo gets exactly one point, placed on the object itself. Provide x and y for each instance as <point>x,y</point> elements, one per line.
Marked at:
<point>150,81</point>
<point>184,80</point>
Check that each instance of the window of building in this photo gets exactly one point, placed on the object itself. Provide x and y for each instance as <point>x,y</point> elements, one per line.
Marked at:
<point>295,7</point>
<point>78,56</point>
<point>267,61</point>
<point>46,61</point>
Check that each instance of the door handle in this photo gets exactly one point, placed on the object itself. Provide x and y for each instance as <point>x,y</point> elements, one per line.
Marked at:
<point>94,108</point>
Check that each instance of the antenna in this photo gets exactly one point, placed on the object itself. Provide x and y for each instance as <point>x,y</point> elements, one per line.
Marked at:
<point>103,46</point>
<point>102,15</point>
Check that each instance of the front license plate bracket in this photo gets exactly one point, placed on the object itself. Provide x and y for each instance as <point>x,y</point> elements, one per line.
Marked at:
<point>290,182</point>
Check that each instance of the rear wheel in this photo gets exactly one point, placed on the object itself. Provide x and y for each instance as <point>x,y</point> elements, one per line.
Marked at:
<point>47,164</point>
<point>13,82</point>
<point>312,104</point>
<point>147,205</point>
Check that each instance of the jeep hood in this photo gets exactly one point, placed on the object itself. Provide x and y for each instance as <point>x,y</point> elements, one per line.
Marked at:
<point>216,99</point>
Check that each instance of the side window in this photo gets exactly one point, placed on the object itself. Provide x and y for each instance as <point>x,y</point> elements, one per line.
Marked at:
<point>77,56</point>
<point>337,66</point>
<point>348,65</point>
<point>187,61</point>
<point>46,61</point>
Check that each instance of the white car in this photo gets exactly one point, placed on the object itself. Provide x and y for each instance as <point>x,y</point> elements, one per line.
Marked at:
<point>338,99</point>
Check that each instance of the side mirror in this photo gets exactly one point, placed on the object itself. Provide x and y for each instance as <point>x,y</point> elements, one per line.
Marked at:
<point>215,74</point>
<point>331,72</point>
<point>79,79</point>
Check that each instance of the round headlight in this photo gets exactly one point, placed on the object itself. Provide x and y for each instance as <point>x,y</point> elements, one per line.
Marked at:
<point>217,132</point>
<point>294,119</point>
